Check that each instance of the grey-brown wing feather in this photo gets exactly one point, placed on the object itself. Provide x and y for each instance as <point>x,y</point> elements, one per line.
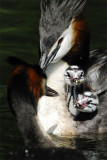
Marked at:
<point>97,72</point>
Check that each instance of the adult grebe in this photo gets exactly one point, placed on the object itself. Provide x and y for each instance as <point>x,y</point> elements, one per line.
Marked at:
<point>26,86</point>
<point>64,41</point>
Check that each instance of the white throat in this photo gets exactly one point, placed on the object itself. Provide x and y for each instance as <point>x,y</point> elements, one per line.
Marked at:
<point>65,45</point>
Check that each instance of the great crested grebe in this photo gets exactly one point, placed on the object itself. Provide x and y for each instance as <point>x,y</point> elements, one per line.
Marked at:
<point>26,86</point>
<point>64,41</point>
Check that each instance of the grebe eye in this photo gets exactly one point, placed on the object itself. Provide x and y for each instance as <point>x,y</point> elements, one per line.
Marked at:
<point>60,40</point>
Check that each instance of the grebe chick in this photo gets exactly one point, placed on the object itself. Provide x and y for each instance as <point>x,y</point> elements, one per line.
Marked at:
<point>79,99</point>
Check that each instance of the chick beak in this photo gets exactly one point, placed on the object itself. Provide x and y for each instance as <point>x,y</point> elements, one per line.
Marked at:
<point>50,92</point>
<point>45,59</point>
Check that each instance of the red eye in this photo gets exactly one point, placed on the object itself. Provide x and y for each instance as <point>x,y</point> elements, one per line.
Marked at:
<point>60,40</point>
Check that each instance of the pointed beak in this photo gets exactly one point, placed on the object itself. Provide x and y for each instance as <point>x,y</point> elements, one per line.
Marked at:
<point>50,92</point>
<point>45,59</point>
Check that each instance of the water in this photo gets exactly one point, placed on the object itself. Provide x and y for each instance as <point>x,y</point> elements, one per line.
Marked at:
<point>94,147</point>
<point>19,20</point>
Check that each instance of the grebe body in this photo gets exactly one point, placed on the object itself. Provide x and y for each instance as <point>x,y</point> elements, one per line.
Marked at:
<point>57,119</point>
<point>53,112</point>
<point>26,86</point>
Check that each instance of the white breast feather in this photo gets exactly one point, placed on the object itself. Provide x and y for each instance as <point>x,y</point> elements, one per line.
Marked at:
<point>52,111</point>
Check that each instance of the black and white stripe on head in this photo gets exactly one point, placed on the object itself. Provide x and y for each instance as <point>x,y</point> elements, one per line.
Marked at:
<point>88,102</point>
<point>74,75</point>
<point>56,26</point>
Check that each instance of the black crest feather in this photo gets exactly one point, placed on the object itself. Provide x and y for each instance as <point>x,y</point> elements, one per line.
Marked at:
<point>55,18</point>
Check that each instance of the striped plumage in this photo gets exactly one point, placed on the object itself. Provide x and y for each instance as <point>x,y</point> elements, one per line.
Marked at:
<point>80,98</point>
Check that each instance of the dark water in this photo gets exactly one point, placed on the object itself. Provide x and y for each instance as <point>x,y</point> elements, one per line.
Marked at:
<point>19,21</point>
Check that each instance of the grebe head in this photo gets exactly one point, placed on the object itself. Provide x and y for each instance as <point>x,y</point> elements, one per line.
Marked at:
<point>27,80</point>
<point>56,30</point>
<point>74,75</point>
<point>87,102</point>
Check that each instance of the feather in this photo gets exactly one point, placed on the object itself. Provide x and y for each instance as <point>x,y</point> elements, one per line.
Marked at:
<point>97,71</point>
<point>56,16</point>
<point>50,9</point>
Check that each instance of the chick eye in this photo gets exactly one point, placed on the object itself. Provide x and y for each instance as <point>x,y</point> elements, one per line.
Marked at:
<point>60,40</point>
